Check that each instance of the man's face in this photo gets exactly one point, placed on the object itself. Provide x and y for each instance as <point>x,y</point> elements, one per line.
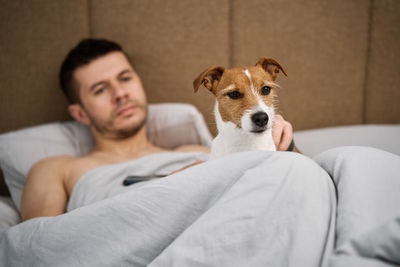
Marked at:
<point>112,96</point>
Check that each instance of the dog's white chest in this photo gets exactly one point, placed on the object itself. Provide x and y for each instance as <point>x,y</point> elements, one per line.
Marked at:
<point>232,139</point>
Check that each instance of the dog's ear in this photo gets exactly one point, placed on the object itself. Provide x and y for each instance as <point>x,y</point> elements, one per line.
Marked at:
<point>271,66</point>
<point>210,77</point>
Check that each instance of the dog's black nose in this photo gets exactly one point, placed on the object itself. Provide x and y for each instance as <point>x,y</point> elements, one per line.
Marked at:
<point>260,119</point>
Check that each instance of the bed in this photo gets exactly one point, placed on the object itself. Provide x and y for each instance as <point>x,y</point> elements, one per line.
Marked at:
<point>207,215</point>
<point>341,96</point>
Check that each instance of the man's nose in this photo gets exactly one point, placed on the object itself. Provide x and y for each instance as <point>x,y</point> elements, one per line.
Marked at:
<point>120,92</point>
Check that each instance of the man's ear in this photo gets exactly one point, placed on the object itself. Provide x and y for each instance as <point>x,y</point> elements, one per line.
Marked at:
<point>79,114</point>
<point>271,66</point>
<point>210,77</point>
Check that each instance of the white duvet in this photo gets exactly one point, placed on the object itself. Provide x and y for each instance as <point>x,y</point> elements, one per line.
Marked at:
<point>246,209</point>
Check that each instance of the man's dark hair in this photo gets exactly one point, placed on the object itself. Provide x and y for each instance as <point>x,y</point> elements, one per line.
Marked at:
<point>85,52</point>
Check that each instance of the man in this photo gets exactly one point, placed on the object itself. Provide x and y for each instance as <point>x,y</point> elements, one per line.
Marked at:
<point>107,95</point>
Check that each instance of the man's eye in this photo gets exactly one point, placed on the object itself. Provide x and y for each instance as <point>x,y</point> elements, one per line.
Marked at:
<point>266,90</point>
<point>235,95</point>
<point>99,91</point>
<point>125,79</point>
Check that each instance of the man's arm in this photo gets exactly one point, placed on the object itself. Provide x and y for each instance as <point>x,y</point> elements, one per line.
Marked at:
<point>44,191</point>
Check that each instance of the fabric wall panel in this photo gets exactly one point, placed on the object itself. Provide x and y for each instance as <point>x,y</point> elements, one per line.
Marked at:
<point>342,57</point>
<point>383,65</point>
<point>35,37</point>
<point>322,44</point>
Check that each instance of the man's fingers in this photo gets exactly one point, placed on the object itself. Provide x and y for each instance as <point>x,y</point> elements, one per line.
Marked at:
<point>277,129</point>
<point>282,133</point>
<point>287,137</point>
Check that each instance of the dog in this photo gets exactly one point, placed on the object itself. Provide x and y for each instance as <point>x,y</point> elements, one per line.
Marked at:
<point>245,105</point>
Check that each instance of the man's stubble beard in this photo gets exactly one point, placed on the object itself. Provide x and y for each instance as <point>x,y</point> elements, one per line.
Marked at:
<point>106,129</point>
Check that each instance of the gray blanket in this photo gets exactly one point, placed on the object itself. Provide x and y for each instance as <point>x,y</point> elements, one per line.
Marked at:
<point>246,209</point>
<point>104,182</point>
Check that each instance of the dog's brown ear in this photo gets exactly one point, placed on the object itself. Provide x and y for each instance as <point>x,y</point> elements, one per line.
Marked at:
<point>271,66</point>
<point>210,77</point>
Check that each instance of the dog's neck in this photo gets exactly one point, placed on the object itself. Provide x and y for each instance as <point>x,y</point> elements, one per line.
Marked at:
<point>231,138</point>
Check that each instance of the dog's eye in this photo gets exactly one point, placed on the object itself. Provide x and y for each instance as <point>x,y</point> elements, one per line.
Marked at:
<point>266,90</point>
<point>235,95</point>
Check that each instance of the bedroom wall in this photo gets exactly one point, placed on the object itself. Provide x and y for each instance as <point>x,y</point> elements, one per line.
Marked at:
<point>342,57</point>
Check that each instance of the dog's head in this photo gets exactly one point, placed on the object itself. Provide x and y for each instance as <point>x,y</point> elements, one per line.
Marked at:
<point>246,95</point>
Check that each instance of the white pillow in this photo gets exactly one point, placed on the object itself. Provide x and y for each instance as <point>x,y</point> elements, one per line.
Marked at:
<point>382,136</point>
<point>169,125</point>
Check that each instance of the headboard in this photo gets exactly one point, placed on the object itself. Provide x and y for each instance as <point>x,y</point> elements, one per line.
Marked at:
<point>342,57</point>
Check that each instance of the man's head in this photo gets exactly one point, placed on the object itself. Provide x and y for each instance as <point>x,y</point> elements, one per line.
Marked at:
<point>105,91</point>
<point>85,52</point>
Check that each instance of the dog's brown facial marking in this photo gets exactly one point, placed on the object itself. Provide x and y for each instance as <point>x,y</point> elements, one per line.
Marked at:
<point>241,90</point>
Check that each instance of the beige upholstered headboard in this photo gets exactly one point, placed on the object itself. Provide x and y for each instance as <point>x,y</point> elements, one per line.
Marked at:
<point>342,57</point>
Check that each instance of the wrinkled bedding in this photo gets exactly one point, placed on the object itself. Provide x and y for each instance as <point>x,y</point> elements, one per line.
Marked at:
<point>107,181</point>
<point>246,209</point>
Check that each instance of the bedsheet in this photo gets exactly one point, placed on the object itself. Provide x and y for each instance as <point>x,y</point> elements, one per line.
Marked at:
<point>246,209</point>
<point>8,213</point>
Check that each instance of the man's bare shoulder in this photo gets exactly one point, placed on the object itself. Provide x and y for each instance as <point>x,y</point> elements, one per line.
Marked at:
<point>66,169</point>
<point>39,200</point>
<point>52,163</point>
<point>60,161</point>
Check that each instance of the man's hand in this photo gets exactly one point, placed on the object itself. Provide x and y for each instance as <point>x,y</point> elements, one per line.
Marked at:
<point>282,133</point>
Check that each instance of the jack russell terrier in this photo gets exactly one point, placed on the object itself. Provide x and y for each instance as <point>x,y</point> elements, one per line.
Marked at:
<point>244,109</point>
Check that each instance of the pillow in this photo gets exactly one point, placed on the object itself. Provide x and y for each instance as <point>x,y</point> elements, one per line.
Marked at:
<point>169,125</point>
<point>382,136</point>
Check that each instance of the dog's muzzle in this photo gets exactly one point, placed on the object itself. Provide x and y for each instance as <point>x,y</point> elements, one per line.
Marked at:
<point>260,121</point>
